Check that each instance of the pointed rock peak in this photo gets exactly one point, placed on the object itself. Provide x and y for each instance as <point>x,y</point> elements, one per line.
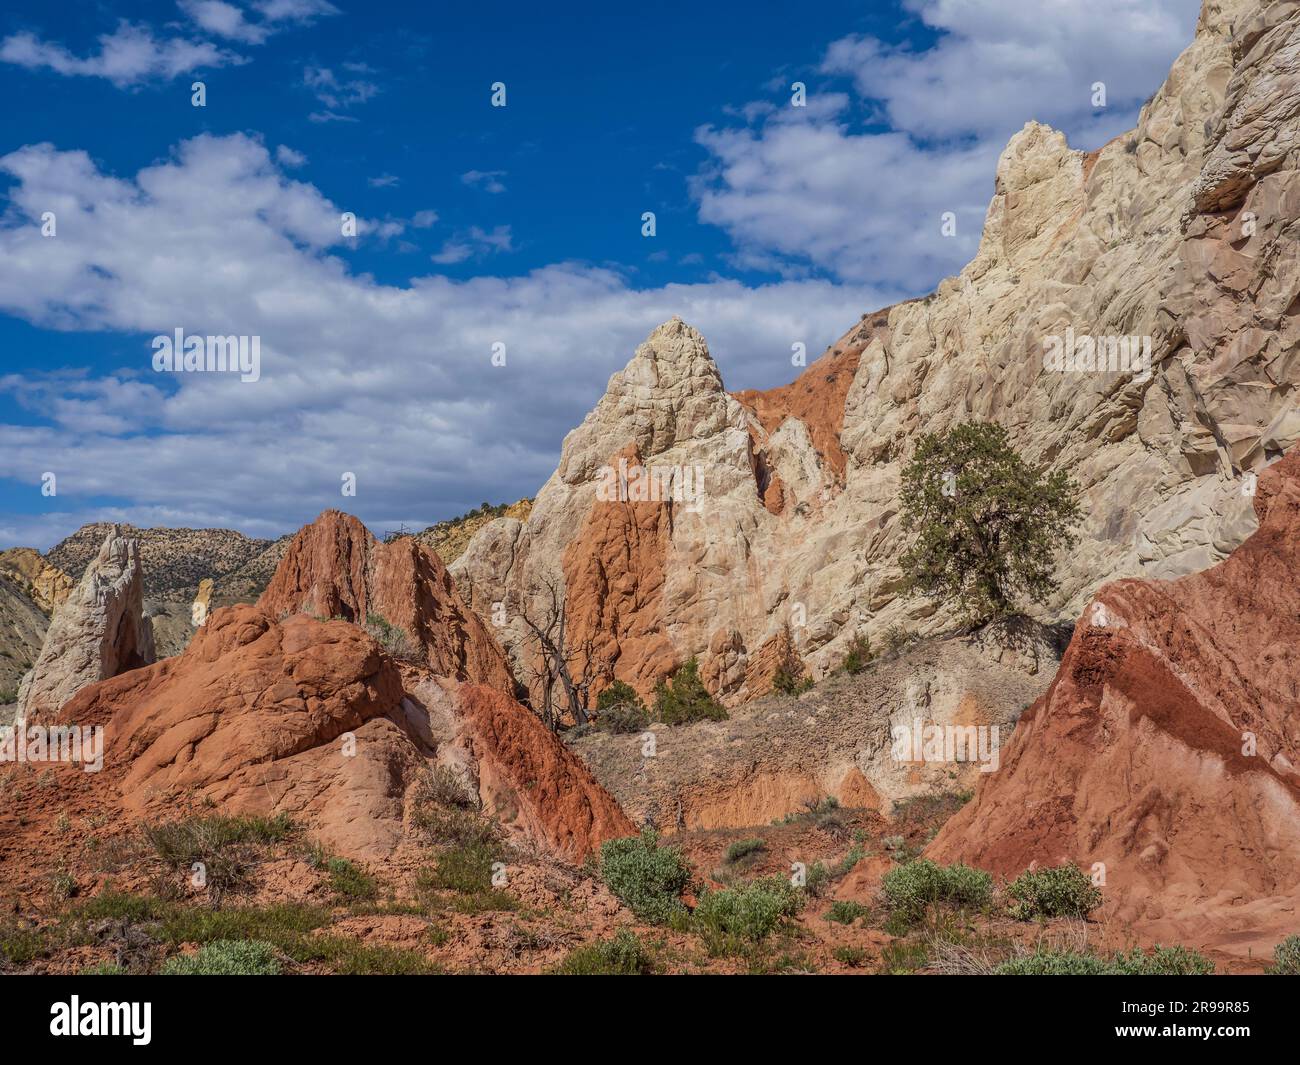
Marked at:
<point>672,354</point>
<point>1035,153</point>
<point>401,592</point>
<point>99,632</point>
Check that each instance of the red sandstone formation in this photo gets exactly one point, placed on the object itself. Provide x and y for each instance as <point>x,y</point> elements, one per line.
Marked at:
<point>271,711</point>
<point>336,568</point>
<point>1167,747</point>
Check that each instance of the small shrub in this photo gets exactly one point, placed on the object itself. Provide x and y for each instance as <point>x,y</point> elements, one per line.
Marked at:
<point>1065,891</point>
<point>911,889</point>
<point>104,968</point>
<point>817,879</point>
<point>684,699</point>
<point>857,655</point>
<point>1162,961</point>
<point>790,681</point>
<point>743,848</point>
<point>896,638</point>
<point>284,925</point>
<point>852,957</point>
<point>903,957</point>
<point>120,906</point>
<point>456,827</point>
<point>844,911</point>
<point>620,710</point>
<point>222,845</point>
<point>1286,958</point>
<point>1055,963</point>
<point>466,868</point>
<point>624,955</point>
<point>226,957</point>
<point>733,920</point>
<point>442,787</point>
<point>648,878</point>
<point>394,639</point>
<point>348,881</point>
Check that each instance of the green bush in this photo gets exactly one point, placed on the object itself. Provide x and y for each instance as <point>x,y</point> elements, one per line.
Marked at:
<point>743,848</point>
<point>1286,958</point>
<point>226,957</point>
<point>223,846</point>
<point>394,639</point>
<point>1162,961</point>
<point>858,655</point>
<point>852,957</point>
<point>624,955</point>
<point>466,868</point>
<point>734,919</point>
<point>911,889</point>
<point>648,878</point>
<point>844,911</point>
<point>347,880</point>
<point>620,710</point>
<point>685,699</point>
<point>1065,891</point>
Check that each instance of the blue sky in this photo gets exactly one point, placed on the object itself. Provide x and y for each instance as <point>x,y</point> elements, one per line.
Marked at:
<point>478,225</point>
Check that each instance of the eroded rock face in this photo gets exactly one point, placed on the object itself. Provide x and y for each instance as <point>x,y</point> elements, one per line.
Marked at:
<point>98,632</point>
<point>776,754</point>
<point>273,710</point>
<point>336,568</point>
<point>47,586</point>
<point>1180,232</point>
<point>1166,748</point>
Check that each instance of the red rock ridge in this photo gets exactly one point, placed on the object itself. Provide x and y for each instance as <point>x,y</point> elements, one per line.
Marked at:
<point>1166,748</point>
<point>336,568</point>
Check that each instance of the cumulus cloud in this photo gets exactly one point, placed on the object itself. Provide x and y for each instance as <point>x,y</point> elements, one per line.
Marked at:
<point>128,56</point>
<point>854,185</point>
<point>227,20</point>
<point>394,383</point>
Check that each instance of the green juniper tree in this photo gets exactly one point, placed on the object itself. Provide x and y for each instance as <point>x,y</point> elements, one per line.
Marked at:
<point>987,524</point>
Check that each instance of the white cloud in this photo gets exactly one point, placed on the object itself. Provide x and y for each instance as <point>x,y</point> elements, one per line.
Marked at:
<point>391,382</point>
<point>384,181</point>
<point>286,156</point>
<point>338,94</point>
<point>227,20</point>
<point>131,54</point>
<point>487,180</point>
<point>815,189</point>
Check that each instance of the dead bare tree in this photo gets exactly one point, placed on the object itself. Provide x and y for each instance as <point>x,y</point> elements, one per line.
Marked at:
<point>554,672</point>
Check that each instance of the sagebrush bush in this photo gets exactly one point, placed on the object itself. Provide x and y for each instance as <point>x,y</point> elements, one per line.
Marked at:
<point>223,846</point>
<point>734,919</point>
<point>624,955</point>
<point>648,878</point>
<point>909,890</point>
<point>394,639</point>
<point>1286,958</point>
<point>685,699</point>
<point>349,881</point>
<point>1063,891</point>
<point>845,911</point>
<point>743,848</point>
<point>226,957</point>
<point>1162,961</point>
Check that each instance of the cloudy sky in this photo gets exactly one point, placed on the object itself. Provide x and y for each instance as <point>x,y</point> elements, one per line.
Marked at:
<point>476,225</point>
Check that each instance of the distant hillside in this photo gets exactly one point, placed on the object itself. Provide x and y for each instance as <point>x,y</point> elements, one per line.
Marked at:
<point>175,560</point>
<point>449,538</point>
